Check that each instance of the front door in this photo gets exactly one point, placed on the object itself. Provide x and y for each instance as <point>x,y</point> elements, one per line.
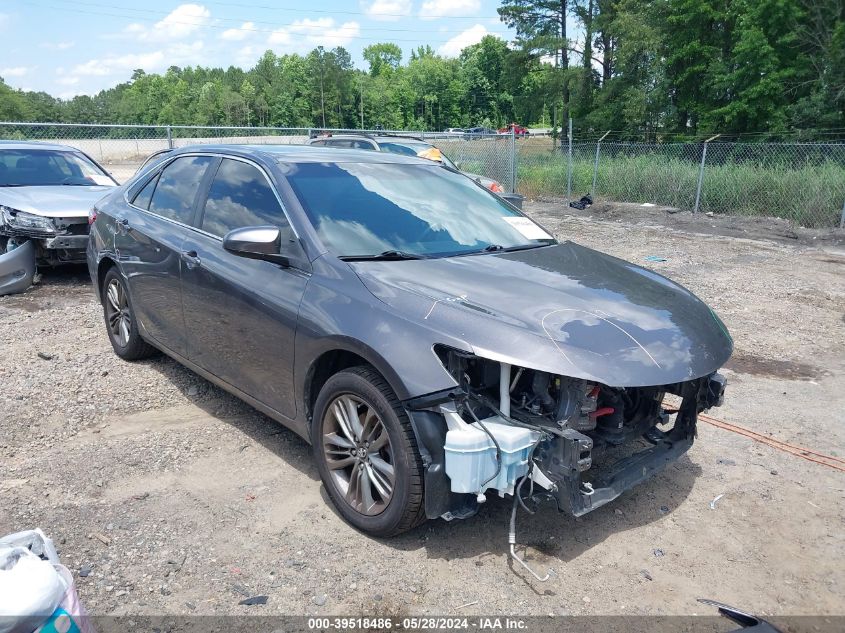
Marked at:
<point>240,313</point>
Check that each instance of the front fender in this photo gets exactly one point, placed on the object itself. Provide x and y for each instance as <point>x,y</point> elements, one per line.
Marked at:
<point>338,313</point>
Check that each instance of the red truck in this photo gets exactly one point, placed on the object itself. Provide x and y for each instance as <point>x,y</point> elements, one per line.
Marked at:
<point>518,130</point>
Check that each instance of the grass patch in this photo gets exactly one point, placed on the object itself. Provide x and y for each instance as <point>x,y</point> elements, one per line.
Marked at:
<point>810,194</point>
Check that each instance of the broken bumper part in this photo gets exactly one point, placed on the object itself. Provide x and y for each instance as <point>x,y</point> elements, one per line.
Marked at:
<point>17,269</point>
<point>578,498</point>
<point>69,242</point>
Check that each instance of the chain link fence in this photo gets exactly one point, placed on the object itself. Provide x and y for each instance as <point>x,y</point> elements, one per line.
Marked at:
<point>123,148</point>
<point>801,182</point>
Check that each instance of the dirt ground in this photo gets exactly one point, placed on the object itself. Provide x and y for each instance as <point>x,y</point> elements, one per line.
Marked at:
<point>167,496</point>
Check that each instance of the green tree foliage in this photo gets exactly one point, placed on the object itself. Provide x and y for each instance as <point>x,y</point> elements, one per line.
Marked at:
<point>655,68</point>
<point>383,58</point>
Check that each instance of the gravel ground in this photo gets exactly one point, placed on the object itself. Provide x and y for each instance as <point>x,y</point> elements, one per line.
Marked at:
<point>167,496</point>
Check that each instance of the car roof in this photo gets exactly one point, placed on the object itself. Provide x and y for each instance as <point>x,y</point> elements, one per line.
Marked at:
<point>378,138</point>
<point>306,154</point>
<point>36,145</point>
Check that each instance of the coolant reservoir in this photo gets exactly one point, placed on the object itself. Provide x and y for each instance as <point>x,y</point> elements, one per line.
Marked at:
<point>471,455</point>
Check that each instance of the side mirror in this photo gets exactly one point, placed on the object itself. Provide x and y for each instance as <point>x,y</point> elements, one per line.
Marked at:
<point>263,242</point>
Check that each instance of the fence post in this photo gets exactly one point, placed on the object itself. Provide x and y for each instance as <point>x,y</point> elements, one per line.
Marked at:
<point>513,160</point>
<point>701,173</point>
<point>569,164</point>
<point>842,218</point>
<point>169,137</point>
<point>596,165</point>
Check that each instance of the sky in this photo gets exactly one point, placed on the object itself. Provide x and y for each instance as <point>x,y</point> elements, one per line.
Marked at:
<point>76,47</point>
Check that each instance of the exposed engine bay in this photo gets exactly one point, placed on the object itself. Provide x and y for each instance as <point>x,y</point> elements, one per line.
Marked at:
<point>535,435</point>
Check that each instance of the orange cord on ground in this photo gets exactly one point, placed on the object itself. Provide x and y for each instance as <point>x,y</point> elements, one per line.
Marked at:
<point>804,453</point>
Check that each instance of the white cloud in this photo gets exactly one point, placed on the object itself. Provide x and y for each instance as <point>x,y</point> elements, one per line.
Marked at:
<point>68,81</point>
<point>4,19</point>
<point>182,54</point>
<point>433,9</point>
<point>58,46</point>
<point>248,55</point>
<point>14,71</point>
<point>183,21</point>
<point>307,33</point>
<point>114,64</point>
<point>471,36</point>
<point>387,10</point>
<point>178,54</point>
<point>247,29</point>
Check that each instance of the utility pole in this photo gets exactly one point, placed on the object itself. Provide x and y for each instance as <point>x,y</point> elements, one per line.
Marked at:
<point>322,96</point>
<point>362,102</point>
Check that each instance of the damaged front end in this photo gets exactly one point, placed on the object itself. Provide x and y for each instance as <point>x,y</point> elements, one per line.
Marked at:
<point>514,430</point>
<point>57,240</point>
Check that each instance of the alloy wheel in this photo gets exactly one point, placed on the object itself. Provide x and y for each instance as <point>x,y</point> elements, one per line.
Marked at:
<point>117,312</point>
<point>358,453</point>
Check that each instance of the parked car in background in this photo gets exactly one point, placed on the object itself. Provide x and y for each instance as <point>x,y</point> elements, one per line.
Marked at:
<point>476,133</point>
<point>46,192</point>
<point>516,128</point>
<point>430,341</point>
<point>455,130</point>
<point>408,146</point>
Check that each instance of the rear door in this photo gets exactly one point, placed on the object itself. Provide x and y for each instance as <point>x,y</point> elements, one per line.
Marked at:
<point>241,313</point>
<point>149,245</point>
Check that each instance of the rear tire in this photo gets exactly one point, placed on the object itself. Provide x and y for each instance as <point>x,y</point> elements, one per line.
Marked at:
<point>366,453</point>
<point>121,324</point>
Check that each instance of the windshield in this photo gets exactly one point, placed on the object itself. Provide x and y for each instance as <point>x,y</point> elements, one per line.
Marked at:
<point>366,209</point>
<point>45,167</point>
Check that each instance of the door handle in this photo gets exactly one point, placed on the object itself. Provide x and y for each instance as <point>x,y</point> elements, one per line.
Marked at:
<point>191,259</point>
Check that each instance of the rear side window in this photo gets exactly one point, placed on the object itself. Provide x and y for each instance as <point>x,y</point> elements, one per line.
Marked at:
<point>240,196</point>
<point>176,192</point>
<point>349,143</point>
<point>343,143</point>
<point>142,200</point>
<point>396,148</point>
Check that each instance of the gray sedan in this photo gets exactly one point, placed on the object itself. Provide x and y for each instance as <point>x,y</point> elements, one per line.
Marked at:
<point>431,342</point>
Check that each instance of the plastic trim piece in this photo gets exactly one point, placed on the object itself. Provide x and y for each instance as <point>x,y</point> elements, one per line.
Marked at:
<point>17,269</point>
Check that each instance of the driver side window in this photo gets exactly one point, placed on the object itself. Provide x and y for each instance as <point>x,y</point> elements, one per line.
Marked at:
<point>240,196</point>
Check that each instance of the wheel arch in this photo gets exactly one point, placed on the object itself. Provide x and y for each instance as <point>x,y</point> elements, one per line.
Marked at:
<point>338,355</point>
<point>103,267</point>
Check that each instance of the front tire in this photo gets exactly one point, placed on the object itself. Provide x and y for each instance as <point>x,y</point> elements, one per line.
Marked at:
<point>367,454</point>
<point>121,324</point>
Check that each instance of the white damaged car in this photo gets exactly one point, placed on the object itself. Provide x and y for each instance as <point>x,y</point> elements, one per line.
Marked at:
<point>46,192</point>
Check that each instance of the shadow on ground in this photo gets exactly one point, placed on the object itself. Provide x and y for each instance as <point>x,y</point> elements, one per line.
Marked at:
<point>550,535</point>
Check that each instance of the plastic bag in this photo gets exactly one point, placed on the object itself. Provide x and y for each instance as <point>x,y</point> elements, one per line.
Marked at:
<point>36,590</point>
<point>35,541</point>
<point>30,590</point>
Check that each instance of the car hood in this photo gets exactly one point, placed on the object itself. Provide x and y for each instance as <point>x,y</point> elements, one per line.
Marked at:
<point>564,309</point>
<point>53,201</point>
